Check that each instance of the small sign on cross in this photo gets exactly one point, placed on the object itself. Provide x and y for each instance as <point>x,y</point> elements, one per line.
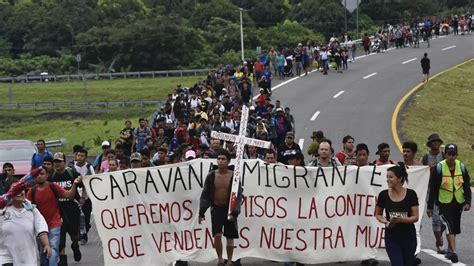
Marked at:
<point>240,141</point>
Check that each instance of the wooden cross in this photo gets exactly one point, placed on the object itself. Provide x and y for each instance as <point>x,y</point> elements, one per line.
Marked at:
<point>240,141</point>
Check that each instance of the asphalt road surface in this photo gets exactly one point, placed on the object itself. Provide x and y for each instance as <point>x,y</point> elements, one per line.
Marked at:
<point>359,102</point>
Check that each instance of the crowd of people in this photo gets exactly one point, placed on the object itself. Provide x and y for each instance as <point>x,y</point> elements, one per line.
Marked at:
<point>180,130</point>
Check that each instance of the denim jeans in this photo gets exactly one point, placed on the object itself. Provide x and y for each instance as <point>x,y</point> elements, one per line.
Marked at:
<point>53,237</point>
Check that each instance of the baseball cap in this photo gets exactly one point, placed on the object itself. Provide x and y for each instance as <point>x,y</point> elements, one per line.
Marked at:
<point>289,133</point>
<point>58,156</point>
<point>451,148</point>
<point>105,143</point>
<point>136,156</point>
<point>190,154</point>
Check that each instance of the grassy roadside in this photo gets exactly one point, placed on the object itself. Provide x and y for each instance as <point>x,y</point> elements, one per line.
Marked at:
<point>81,126</point>
<point>444,105</point>
<point>88,127</point>
<point>97,90</point>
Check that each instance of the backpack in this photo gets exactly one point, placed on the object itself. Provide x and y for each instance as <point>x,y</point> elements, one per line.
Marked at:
<point>280,125</point>
<point>69,171</point>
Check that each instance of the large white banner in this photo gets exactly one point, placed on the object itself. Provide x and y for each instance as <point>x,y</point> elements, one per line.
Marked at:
<point>149,216</point>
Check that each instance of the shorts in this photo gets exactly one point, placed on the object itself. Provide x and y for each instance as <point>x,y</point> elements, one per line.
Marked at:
<point>426,71</point>
<point>438,225</point>
<point>450,215</point>
<point>219,220</point>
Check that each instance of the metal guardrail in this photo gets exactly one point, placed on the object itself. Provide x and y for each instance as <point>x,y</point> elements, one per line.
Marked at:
<point>55,143</point>
<point>124,75</point>
<point>105,104</point>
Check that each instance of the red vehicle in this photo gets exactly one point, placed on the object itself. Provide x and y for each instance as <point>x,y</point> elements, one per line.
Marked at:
<point>19,153</point>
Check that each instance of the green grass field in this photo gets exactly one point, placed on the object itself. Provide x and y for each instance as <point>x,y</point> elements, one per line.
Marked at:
<point>81,126</point>
<point>444,105</point>
<point>84,127</point>
<point>97,90</point>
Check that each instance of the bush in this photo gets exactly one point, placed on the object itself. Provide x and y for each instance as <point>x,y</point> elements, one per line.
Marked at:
<point>52,65</point>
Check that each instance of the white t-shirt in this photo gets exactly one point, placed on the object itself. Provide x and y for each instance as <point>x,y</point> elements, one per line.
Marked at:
<point>19,229</point>
<point>194,102</point>
<point>324,55</point>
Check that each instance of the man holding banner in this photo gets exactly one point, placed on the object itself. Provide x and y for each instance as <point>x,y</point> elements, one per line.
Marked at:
<point>216,194</point>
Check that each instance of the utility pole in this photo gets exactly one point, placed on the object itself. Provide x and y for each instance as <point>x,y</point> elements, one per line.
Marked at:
<point>357,19</point>
<point>242,34</point>
<point>345,15</point>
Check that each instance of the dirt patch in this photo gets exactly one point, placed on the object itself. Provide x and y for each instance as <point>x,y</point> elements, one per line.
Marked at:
<point>12,117</point>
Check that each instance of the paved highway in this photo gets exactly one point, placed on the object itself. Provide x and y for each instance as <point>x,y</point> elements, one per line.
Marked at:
<point>360,102</point>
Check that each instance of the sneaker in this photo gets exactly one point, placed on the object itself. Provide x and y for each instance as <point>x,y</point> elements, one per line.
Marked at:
<point>76,251</point>
<point>62,260</point>
<point>440,249</point>
<point>417,261</point>
<point>453,257</point>
<point>84,239</point>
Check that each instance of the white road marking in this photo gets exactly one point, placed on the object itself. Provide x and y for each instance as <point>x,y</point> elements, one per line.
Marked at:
<point>449,47</point>
<point>441,257</point>
<point>301,143</point>
<point>315,115</point>
<point>444,36</point>
<point>408,61</point>
<point>368,76</point>
<point>338,94</point>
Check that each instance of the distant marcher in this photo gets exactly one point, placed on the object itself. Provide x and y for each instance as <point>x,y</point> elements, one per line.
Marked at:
<point>383,151</point>
<point>366,44</point>
<point>316,138</point>
<point>409,150</point>
<point>140,134</point>
<point>8,172</point>
<point>347,156</point>
<point>425,66</point>
<point>126,137</point>
<point>38,157</point>
<point>84,168</point>
<point>135,160</point>
<point>325,158</point>
<point>101,157</point>
<point>270,156</point>
<point>362,155</point>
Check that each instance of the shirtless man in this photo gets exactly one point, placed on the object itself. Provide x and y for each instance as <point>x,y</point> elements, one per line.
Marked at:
<point>216,194</point>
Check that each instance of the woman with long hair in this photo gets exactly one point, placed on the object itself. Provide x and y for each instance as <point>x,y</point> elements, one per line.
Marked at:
<point>401,213</point>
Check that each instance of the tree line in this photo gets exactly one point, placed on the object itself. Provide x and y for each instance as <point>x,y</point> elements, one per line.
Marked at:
<point>133,35</point>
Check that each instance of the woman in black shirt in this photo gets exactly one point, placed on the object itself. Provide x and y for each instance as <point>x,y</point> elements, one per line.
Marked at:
<point>401,212</point>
